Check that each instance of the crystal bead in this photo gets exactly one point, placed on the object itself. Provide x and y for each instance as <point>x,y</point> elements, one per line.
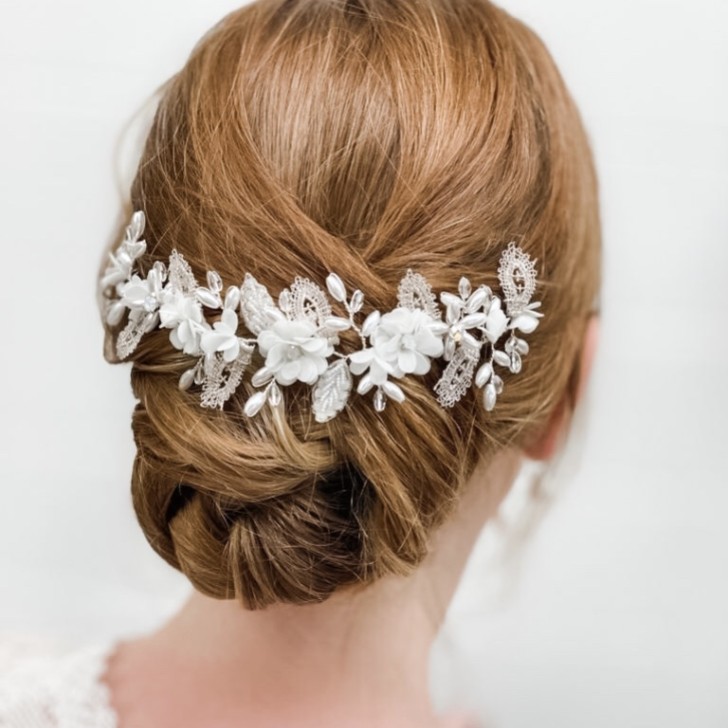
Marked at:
<point>214,281</point>
<point>521,347</point>
<point>464,287</point>
<point>274,394</point>
<point>449,348</point>
<point>161,269</point>
<point>380,400</point>
<point>357,301</point>
<point>200,373</point>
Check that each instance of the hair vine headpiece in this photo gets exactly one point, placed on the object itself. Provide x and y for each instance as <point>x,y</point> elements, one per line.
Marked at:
<point>298,335</point>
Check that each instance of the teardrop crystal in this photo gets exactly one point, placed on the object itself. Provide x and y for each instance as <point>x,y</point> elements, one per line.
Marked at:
<point>464,287</point>
<point>274,394</point>
<point>214,282</point>
<point>199,372</point>
<point>357,301</point>
<point>380,400</point>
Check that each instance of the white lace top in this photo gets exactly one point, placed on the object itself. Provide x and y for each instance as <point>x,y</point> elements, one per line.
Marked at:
<point>42,686</point>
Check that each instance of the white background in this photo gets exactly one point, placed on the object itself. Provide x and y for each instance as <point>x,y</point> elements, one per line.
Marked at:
<point>617,615</point>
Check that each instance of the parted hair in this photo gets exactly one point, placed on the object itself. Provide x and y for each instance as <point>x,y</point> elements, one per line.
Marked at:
<point>361,137</point>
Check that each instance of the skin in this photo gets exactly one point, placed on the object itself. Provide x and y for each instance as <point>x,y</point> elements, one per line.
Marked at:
<point>358,659</point>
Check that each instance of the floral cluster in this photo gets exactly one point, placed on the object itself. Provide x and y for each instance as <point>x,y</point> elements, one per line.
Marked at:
<point>298,335</point>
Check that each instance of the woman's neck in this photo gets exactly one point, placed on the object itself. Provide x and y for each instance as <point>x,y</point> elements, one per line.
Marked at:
<point>358,659</point>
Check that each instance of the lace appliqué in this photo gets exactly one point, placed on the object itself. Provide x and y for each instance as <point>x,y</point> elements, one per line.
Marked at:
<point>57,691</point>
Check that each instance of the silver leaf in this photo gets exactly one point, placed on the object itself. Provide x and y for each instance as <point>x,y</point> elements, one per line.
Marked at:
<point>254,300</point>
<point>331,391</point>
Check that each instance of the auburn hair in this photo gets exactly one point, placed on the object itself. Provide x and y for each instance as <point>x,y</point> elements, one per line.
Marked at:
<point>363,137</point>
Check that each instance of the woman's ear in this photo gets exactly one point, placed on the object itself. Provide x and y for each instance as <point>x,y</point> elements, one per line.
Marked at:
<point>547,443</point>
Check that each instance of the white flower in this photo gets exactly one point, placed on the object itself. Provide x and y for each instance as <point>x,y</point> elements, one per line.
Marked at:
<point>137,292</point>
<point>294,351</point>
<point>497,321</point>
<point>223,337</point>
<point>402,343</point>
<point>527,319</point>
<point>183,314</point>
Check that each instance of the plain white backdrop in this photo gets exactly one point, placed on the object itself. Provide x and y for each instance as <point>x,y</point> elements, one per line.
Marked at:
<point>617,614</point>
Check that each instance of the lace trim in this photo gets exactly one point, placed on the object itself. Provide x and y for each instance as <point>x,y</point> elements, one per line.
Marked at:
<point>58,691</point>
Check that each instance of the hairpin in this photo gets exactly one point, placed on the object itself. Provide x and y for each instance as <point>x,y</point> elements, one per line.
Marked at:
<point>297,335</point>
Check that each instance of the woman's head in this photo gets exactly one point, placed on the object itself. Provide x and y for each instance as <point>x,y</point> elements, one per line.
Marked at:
<point>304,136</point>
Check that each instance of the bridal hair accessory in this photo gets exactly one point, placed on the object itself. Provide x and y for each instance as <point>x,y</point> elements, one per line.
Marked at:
<point>296,336</point>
